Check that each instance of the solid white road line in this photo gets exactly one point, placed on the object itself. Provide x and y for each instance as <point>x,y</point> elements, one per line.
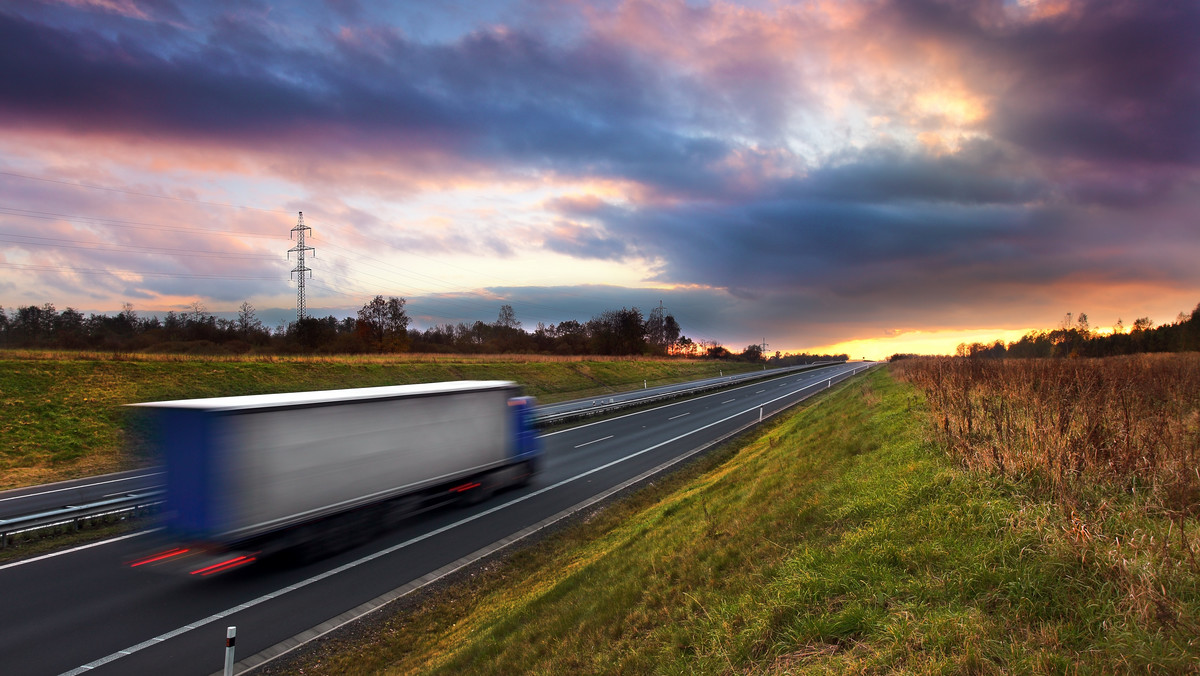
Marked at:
<point>75,549</point>
<point>74,488</point>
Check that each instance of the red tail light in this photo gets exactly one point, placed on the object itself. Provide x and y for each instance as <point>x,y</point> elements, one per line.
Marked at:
<point>223,566</point>
<point>159,557</point>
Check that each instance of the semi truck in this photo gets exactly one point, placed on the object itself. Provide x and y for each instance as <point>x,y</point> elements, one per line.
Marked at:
<point>251,476</point>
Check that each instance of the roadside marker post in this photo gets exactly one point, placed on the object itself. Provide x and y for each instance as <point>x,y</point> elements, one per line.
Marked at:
<point>230,639</point>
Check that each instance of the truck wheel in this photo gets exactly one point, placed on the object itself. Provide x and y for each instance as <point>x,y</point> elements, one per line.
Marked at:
<point>526,472</point>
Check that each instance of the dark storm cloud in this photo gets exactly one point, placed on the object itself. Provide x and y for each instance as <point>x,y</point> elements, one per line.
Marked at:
<point>233,89</point>
<point>1111,80</point>
<point>584,242</point>
<point>895,228</point>
<point>981,173</point>
<point>500,97</point>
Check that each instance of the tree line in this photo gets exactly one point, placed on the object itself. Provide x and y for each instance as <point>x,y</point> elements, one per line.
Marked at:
<point>382,325</point>
<point>1075,337</point>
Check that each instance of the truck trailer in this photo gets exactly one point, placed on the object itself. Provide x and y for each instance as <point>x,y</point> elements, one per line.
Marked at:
<point>251,476</point>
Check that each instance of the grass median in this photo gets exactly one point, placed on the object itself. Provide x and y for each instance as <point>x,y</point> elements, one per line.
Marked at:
<point>841,539</point>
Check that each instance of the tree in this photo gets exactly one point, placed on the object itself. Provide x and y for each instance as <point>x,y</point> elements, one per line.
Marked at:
<point>715,351</point>
<point>68,329</point>
<point>671,331</point>
<point>384,324</point>
<point>247,323</point>
<point>656,330</point>
<point>32,325</point>
<point>507,318</point>
<point>506,334</point>
<point>618,332</point>
<point>684,346</point>
<point>752,353</point>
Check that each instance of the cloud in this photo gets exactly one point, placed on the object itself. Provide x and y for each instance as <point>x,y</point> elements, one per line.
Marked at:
<point>585,242</point>
<point>869,163</point>
<point>1108,81</point>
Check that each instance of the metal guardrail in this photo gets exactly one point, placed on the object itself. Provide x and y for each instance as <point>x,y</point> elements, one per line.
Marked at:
<point>602,407</point>
<point>76,515</point>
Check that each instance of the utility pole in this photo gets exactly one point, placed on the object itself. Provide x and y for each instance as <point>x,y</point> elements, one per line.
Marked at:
<point>300,269</point>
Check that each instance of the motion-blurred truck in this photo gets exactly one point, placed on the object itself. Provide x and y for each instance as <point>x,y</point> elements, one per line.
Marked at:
<point>255,475</point>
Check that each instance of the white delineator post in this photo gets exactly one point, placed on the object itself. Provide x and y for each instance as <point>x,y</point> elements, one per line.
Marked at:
<point>230,639</point>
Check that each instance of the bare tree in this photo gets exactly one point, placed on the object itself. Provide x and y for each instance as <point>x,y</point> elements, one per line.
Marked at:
<point>384,324</point>
<point>247,322</point>
<point>507,318</point>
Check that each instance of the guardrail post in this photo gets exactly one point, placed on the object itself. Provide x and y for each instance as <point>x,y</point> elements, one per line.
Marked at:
<point>230,639</point>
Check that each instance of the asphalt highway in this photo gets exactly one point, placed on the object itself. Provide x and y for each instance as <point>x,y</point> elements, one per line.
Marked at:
<point>35,499</point>
<point>84,611</point>
<point>76,491</point>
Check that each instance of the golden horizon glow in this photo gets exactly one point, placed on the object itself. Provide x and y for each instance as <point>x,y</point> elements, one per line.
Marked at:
<point>930,342</point>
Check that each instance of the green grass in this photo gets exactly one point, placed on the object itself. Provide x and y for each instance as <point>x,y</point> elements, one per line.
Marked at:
<point>62,415</point>
<point>839,540</point>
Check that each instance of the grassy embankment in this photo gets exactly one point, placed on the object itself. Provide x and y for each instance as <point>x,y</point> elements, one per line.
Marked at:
<point>841,539</point>
<point>61,413</point>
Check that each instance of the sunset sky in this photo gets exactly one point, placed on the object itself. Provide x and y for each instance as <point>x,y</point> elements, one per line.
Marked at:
<point>872,177</point>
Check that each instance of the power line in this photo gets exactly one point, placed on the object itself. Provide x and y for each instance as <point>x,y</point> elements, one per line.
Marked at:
<point>145,273</point>
<point>130,248</point>
<point>140,194</point>
<point>112,222</point>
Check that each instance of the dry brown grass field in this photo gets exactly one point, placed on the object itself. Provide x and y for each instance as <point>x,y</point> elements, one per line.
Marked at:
<point>1131,421</point>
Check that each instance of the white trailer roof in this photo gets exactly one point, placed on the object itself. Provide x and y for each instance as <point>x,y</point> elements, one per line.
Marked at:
<point>328,396</point>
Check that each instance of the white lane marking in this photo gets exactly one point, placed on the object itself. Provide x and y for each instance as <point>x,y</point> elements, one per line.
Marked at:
<point>679,416</point>
<point>594,441</point>
<point>76,549</point>
<point>760,391</point>
<point>75,488</point>
<point>730,401</point>
<point>215,617</point>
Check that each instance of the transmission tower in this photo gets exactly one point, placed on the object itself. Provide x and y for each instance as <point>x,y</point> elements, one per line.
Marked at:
<point>300,269</point>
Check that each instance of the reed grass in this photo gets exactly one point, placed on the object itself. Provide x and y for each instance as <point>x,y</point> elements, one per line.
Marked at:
<point>1130,423</point>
